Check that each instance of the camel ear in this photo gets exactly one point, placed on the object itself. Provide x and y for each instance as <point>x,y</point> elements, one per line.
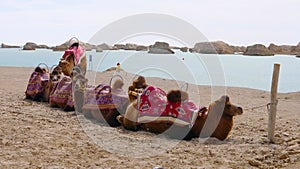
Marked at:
<point>224,99</point>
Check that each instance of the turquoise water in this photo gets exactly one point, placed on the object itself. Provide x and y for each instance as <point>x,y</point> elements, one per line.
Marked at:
<point>219,70</point>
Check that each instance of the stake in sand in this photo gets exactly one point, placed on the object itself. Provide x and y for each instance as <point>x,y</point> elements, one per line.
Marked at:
<point>273,105</point>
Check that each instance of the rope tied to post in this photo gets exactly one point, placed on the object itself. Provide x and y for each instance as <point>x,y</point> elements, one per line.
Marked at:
<point>268,105</point>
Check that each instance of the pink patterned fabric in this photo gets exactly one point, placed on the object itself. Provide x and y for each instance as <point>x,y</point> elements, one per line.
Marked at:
<point>103,97</point>
<point>155,108</point>
<point>36,84</point>
<point>77,51</point>
<point>62,92</point>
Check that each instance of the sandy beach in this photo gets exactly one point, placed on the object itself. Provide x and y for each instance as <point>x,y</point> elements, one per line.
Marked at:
<point>34,135</point>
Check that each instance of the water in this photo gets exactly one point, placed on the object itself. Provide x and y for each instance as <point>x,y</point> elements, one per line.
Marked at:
<point>219,70</point>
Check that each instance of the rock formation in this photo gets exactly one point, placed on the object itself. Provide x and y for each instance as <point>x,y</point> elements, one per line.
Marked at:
<point>61,47</point>
<point>258,50</point>
<point>141,48</point>
<point>283,49</point>
<point>184,49</point>
<point>103,46</point>
<point>8,46</point>
<point>33,46</point>
<point>217,47</point>
<point>118,47</point>
<point>160,48</point>
<point>238,49</point>
<point>130,46</point>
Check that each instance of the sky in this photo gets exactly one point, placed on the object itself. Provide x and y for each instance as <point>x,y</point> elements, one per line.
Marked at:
<point>237,22</point>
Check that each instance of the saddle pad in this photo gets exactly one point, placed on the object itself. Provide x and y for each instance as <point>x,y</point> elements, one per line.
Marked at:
<point>77,51</point>
<point>103,97</point>
<point>36,84</point>
<point>62,92</point>
<point>155,108</point>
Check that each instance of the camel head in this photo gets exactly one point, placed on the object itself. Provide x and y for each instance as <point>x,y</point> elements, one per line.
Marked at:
<point>40,70</point>
<point>67,64</point>
<point>137,86</point>
<point>174,96</point>
<point>55,74</point>
<point>229,109</point>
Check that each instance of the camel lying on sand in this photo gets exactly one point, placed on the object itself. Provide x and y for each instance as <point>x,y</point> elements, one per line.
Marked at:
<point>104,103</point>
<point>216,122</point>
<point>55,76</point>
<point>36,85</point>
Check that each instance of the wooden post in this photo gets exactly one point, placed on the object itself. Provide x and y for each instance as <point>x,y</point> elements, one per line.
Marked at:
<point>273,106</point>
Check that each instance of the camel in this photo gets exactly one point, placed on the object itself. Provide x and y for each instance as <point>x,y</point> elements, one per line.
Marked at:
<point>78,88</point>
<point>61,94</point>
<point>104,103</point>
<point>218,128</point>
<point>37,82</point>
<point>222,126</point>
<point>55,76</point>
<point>75,55</point>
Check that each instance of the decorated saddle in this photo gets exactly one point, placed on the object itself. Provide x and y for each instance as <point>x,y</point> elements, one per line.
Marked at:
<point>153,107</point>
<point>61,94</point>
<point>104,97</point>
<point>36,85</point>
<point>77,51</point>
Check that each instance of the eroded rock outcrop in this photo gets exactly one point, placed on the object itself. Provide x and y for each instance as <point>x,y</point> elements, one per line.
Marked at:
<point>217,47</point>
<point>9,46</point>
<point>160,48</point>
<point>33,46</point>
<point>258,50</point>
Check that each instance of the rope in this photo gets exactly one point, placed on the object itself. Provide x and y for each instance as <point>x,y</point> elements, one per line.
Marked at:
<point>268,105</point>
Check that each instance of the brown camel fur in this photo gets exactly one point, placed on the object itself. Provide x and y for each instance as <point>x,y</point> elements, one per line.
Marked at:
<point>137,86</point>
<point>68,64</point>
<point>215,127</point>
<point>79,86</point>
<point>55,76</point>
<point>218,128</point>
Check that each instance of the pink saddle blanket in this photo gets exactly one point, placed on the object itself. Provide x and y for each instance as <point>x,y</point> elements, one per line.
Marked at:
<point>104,97</point>
<point>62,92</point>
<point>77,51</point>
<point>36,84</point>
<point>155,108</point>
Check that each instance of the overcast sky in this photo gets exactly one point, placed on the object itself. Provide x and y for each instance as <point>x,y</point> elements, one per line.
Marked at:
<point>236,22</point>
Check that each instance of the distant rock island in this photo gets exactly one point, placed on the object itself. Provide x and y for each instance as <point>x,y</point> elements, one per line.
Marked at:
<point>215,47</point>
<point>258,50</point>
<point>33,46</point>
<point>160,48</point>
<point>9,46</point>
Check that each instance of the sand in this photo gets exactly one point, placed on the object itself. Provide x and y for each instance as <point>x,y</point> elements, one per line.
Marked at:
<point>33,135</point>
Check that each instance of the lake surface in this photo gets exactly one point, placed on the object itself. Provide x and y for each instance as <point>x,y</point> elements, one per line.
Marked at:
<point>217,70</point>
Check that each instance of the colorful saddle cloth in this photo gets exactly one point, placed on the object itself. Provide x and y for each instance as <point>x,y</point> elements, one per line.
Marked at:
<point>61,93</point>
<point>78,51</point>
<point>155,108</point>
<point>103,97</point>
<point>36,84</point>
